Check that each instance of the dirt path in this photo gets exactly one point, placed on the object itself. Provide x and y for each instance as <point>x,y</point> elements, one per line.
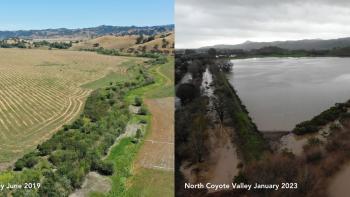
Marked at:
<point>157,151</point>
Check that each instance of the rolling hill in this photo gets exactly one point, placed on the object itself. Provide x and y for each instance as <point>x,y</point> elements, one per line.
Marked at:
<point>161,42</point>
<point>85,33</point>
<point>307,44</point>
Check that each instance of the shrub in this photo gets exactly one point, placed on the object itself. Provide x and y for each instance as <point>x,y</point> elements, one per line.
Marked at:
<point>314,141</point>
<point>138,134</point>
<point>143,111</point>
<point>143,121</point>
<point>19,165</point>
<point>137,101</point>
<point>28,161</point>
<point>334,127</point>
<point>104,168</point>
<point>313,155</point>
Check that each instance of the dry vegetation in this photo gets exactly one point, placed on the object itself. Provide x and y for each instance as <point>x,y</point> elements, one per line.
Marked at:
<point>162,43</point>
<point>40,91</point>
<point>157,43</point>
<point>108,42</point>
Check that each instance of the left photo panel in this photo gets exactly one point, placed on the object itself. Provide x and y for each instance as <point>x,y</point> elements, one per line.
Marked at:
<point>87,98</point>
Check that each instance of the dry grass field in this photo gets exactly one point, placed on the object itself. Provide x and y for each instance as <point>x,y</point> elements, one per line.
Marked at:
<point>107,42</point>
<point>40,90</point>
<point>158,41</point>
<point>125,43</point>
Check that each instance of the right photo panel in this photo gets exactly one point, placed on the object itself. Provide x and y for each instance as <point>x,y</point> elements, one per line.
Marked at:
<point>262,103</point>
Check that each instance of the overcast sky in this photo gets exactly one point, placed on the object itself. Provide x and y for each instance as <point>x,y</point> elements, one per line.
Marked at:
<point>209,22</point>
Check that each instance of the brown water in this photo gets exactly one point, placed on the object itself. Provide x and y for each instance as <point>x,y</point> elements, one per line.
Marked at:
<point>340,185</point>
<point>281,92</point>
<point>220,166</point>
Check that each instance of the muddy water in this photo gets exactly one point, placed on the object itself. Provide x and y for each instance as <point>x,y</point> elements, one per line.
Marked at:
<point>340,185</point>
<point>281,92</point>
<point>224,159</point>
<point>221,164</point>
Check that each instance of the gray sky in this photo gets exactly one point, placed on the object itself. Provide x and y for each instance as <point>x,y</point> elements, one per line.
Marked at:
<point>209,22</point>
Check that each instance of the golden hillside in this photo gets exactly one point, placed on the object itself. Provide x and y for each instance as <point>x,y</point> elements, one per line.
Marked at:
<point>107,42</point>
<point>161,43</point>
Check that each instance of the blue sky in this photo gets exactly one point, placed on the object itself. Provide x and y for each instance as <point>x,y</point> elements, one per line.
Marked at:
<point>42,14</point>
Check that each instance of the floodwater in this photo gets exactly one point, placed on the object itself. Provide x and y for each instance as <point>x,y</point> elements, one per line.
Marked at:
<point>221,165</point>
<point>281,92</point>
<point>340,186</point>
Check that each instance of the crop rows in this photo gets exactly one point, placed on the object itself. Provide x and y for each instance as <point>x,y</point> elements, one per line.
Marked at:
<point>41,90</point>
<point>32,108</point>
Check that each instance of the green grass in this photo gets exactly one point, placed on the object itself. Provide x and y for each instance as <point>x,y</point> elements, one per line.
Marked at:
<point>163,86</point>
<point>128,63</point>
<point>122,157</point>
<point>124,153</point>
<point>112,77</point>
<point>168,69</point>
<point>150,182</point>
<point>106,80</point>
<point>165,79</point>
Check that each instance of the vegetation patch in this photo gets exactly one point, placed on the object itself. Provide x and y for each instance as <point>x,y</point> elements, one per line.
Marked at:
<point>107,80</point>
<point>159,183</point>
<point>339,111</point>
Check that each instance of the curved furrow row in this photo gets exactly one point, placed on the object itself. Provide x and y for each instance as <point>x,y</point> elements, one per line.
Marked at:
<point>39,125</point>
<point>47,129</point>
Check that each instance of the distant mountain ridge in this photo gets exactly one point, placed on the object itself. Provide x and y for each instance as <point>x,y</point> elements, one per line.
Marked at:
<point>86,32</point>
<point>307,44</point>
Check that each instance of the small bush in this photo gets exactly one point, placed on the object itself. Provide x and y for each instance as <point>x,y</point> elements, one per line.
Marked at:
<point>138,134</point>
<point>138,101</point>
<point>143,121</point>
<point>313,156</point>
<point>104,168</point>
<point>143,111</point>
<point>28,161</point>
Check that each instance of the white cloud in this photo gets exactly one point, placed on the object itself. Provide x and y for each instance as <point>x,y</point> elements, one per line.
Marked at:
<point>207,22</point>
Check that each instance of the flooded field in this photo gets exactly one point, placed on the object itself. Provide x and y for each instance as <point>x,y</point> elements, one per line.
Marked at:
<point>281,92</point>
<point>340,186</point>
